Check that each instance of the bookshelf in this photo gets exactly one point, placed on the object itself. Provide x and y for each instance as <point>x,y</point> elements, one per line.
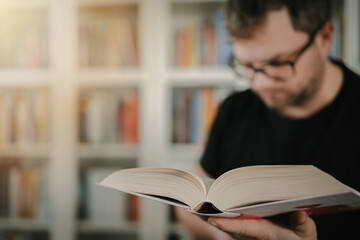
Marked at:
<point>68,51</point>
<point>352,34</point>
<point>24,122</point>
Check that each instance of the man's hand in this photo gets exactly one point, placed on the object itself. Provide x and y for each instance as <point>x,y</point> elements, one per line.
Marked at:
<point>296,226</point>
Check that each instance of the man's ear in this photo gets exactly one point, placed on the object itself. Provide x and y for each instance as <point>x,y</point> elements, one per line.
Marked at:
<point>325,37</point>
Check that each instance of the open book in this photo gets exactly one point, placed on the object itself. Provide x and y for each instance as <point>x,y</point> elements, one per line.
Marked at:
<point>256,191</point>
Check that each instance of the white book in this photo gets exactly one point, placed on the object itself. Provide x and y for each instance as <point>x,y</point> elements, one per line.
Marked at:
<point>42,116</point>
<point>14,186</point>
<point>2,120</point>
<point>7,120</point>
<point>21,119</point>
<point>111,117</point>
<point>95,118</point>
<point>104,205</point>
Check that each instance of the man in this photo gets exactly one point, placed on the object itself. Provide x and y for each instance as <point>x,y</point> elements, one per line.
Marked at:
<point>302,108</point>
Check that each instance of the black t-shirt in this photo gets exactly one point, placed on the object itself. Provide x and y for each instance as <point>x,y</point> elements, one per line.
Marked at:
<point>245,132</point>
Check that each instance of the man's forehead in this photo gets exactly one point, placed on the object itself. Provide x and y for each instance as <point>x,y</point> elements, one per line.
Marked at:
<point>276,38</point>
<point>259,53</point>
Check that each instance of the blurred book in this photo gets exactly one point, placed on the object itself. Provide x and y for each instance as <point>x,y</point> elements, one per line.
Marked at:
<point>24,191</point>
<point>193,112</point>
<point>103,205</point>
<point>202,41</point>
<point>25,38</point>
<point>108,116</point>
<point>107,39</point>
<point>24,117</point>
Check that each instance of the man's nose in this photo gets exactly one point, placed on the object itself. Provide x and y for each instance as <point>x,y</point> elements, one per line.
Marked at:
<point>261,81</point>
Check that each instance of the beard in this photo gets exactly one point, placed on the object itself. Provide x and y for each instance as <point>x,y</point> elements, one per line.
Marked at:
<point>277,98</point>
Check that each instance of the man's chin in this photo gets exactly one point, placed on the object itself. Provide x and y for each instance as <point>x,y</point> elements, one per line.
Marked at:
<point>275,105</point>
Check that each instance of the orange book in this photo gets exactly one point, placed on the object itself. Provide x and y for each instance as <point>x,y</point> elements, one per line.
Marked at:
<point>209,110</point>
<point>133,117</point>
<point>179,47</point>
<point>130,117</point>
<point>187,47</point>
<point>121,124</point>
<point>33,192</point>
<point>212,44</point>
<point>133,209</point>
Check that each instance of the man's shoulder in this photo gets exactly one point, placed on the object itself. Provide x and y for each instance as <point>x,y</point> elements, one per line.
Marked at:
<point>349,74</point>
<point>352,84</point>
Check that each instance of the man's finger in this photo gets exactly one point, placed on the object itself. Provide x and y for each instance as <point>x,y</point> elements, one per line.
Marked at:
<point>251,228</point>
<point>300,222</point>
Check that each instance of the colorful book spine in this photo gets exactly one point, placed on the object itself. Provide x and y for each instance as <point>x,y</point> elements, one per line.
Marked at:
<point>202,42</point>
<point>24,41</point>
<point>108,41</point>
<point>100,205</point>
<point>108,116</point>
<point>22,192</point>
<point>194,111</point>
<point>24,117</point>
<point>103,205</point>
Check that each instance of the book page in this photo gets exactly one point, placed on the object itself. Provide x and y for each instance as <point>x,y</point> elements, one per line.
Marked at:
<point>165,182</point>
<point>258,184</point>
<point>206,181</point>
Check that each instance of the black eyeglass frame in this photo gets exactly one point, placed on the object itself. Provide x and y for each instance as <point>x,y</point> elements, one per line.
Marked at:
<point>232,62</point>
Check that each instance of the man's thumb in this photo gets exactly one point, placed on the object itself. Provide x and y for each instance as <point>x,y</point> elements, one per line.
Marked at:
<point>301,223</point>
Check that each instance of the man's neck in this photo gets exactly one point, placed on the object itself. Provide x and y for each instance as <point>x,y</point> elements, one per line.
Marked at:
<point>329,89</point>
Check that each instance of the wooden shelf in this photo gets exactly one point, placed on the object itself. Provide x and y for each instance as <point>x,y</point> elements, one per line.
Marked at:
<point>108,151</point>
<point>25,78</point>
<point>105,78</point>
<point>97,3</point>
<point>28,4</point>
<point>24,225</point>
<point>205,77</point>
<point>25,151</point>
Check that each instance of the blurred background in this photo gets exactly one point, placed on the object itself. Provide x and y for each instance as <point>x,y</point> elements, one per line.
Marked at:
<point>88,87</point>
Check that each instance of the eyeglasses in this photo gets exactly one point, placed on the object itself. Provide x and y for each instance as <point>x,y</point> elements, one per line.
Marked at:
<point>275,70</point>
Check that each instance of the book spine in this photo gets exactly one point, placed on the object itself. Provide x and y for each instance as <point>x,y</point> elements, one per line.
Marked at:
<point>107,40</point>
<point>28,45</point>
<point>193,112</point>
<point>223,41</point>
<point>195,116</point>
<point>133,213</point>
<point>103,205</point>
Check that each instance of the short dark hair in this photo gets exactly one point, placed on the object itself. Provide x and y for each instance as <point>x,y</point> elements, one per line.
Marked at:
<point>245,16</point>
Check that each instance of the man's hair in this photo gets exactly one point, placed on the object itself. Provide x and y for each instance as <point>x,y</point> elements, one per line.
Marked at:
<point>245,16</point>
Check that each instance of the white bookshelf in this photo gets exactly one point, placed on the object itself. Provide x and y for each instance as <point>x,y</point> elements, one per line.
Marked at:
<point>33,4</point>
<point>108,151</point>
<point>24,225</point>
<point>155,78</point>
<point>36,151</point>
<point>352,34</point>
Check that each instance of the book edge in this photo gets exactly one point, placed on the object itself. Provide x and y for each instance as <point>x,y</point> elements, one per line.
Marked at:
<point>349,191</point>
<point>152,197</point>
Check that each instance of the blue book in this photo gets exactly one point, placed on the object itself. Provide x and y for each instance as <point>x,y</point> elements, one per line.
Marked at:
<point>195,115</point>
<point>223,40</point>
